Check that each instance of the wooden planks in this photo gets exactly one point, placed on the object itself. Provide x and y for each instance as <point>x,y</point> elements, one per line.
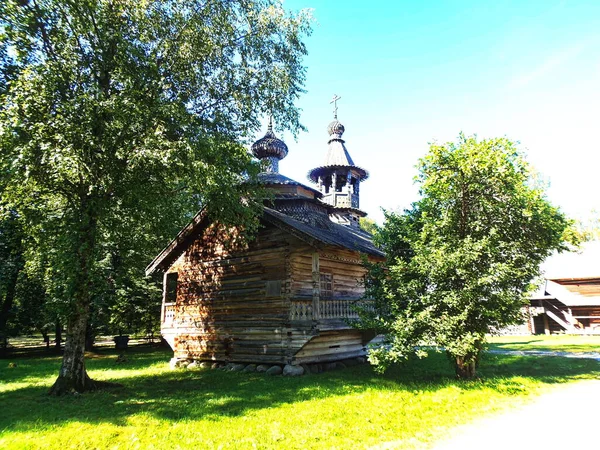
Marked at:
<point>236,303</point>
<point>331,346</point>
<point>229,300</point>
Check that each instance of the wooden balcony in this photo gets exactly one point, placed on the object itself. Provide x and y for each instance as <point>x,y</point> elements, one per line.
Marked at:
<point>323,310</point>
<point>167,315</point>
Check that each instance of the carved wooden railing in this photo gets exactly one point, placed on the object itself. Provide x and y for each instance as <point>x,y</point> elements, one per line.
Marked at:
<point>301,310</point>
<point>337,309</point>
<point>327,309</point>
<point>168,315</point>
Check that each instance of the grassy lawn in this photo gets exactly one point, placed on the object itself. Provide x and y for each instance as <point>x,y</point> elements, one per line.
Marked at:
<point>555,342</point>
<point>408,407</point>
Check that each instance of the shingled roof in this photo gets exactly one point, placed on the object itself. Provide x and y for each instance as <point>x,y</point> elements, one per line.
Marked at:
<point>324,232</point>
<point>300,213</point>
<point>275,178</point>
<point>337,155</point>
<point>315,233</point>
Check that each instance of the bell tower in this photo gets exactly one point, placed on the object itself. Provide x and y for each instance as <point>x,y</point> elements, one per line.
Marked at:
<point>339,178</point>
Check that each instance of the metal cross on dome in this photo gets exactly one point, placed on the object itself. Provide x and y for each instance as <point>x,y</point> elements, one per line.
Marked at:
<point>335,108</point>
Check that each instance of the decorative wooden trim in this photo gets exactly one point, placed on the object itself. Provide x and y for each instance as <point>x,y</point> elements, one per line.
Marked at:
<point>328,309</point>
<point>177,246</point>
<point>301,311</point>
<point>340,258</point>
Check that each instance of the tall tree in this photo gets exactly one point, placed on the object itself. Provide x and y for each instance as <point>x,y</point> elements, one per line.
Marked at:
<point>461,261</point>
<point>126,115</point>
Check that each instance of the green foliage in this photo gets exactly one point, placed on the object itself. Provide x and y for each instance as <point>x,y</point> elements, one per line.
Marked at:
<point>11,265</point>
<point>461,261</point>
<point>588,230</point>
<point>11,251</point>
<point>122,119</point>
<point>32,311</point>
<point>368,225</point>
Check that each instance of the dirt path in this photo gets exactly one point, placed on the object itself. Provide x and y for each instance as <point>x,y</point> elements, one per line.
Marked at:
<point>564,418</point>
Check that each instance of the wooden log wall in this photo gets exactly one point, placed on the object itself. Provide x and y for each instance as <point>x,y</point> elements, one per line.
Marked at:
<point>331,346</point>
<point>348,273</point>
<point>261,304</point>
<point>232,305</point>
<point>332,338</point>
<point>345,266</point>
<point>589,316</point>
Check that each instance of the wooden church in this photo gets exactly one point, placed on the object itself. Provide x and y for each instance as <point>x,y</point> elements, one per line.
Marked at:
<point>286,297</point>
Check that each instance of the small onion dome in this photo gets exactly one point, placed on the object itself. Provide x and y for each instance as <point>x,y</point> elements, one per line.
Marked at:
<point>269,146</point>
<point>336,128</point>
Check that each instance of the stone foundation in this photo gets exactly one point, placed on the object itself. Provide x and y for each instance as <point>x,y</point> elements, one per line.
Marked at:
<point>269,369</point>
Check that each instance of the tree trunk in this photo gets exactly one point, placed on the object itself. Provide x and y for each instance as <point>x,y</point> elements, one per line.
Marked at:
<point>89,339</point>
<point>46,339</point>
<point>3,345</point>
<point>72,376</point>
<point>57,335</point>
<point>465,369</point>
<point>466,365</point>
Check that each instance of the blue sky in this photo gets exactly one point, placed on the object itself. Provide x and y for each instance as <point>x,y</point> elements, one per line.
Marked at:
<point>410,73</point>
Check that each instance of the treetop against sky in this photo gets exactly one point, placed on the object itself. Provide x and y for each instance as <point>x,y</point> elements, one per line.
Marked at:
<point>410,73</point>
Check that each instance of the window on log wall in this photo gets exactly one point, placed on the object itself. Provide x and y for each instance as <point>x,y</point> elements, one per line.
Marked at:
<point>273,288</point>
<point>171,288</point>
<point>326,286</point>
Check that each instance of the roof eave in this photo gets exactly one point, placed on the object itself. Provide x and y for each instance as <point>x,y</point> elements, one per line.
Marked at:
<point>313,174</point>
<point>181,240</point>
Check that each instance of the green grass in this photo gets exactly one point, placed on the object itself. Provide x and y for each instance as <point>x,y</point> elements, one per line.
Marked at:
<point>555,342</point>
<point>156,408</point>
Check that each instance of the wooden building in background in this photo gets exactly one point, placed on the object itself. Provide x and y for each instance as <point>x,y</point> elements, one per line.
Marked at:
<point>569,301</point>
<point>287,296</point>
<point>568,305</point>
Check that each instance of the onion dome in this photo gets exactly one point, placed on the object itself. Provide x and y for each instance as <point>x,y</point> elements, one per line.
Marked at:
<point>270,150</point>
<point>269,146</point>
<point>336,128</point>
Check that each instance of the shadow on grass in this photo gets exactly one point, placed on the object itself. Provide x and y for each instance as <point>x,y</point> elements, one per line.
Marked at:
<point>37,364</point>
<point>555,343</point>
<point>216,395</point>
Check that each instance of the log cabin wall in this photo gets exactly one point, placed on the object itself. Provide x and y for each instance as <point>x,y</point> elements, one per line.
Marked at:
<point>278,301</point>
<point>585,319</point>
<point>324,285</point>
<point>231,306</point>
<point>588,316</point>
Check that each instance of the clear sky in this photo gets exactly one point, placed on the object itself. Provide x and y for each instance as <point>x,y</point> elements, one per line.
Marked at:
<point>414,72</point>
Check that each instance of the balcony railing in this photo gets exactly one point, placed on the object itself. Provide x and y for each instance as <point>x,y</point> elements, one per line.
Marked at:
<point>337,309</point>
<point>168,315</point>
<point>327,309</point>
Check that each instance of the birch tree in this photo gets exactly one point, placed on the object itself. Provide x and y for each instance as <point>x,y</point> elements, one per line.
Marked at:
<point>131,114</point>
